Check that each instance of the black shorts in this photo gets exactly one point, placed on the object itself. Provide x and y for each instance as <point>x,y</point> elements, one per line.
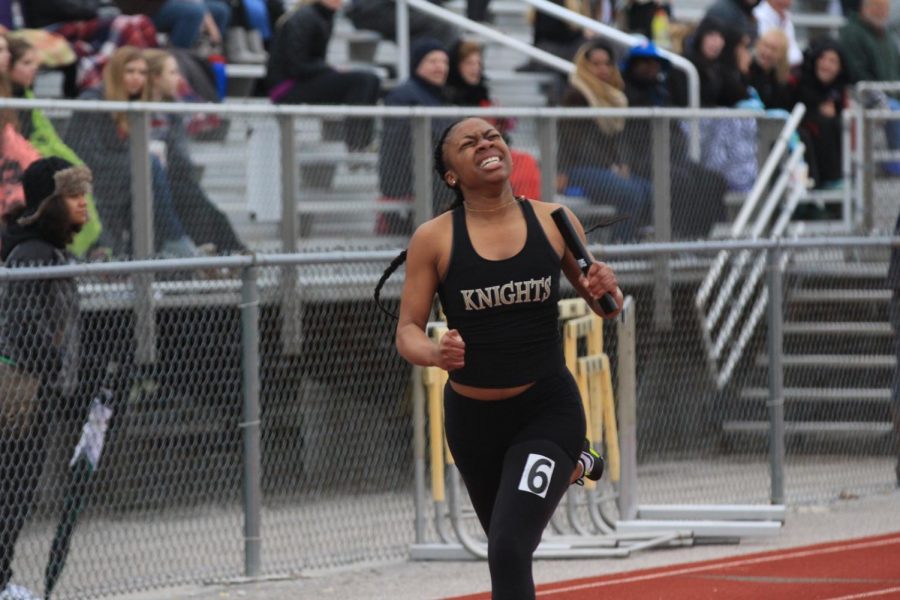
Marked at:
<point>550,410</point>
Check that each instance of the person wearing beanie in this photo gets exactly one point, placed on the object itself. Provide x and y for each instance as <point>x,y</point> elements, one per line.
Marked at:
<point>429,64</point>
<point>298,74</point>
<point>39,337</point>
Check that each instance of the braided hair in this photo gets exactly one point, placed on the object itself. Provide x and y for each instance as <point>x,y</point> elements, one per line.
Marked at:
<point>441,167</point>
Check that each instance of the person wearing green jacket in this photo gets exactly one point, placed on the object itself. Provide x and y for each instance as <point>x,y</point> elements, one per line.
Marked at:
<point>39,131</point>
<point>872,55</point>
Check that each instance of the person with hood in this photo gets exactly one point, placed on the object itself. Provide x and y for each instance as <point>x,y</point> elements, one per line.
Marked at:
<point>822,88</point>
<point>39,337</point>
<point>704,50</point>
<point>728,145</point>
<point>589,160</point>
<point>429,64</point>
<point>298,74</point>
<point>697,192</point>
<point>737,14</point>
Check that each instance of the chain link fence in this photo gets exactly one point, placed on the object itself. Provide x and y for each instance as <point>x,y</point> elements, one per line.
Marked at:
<point>181,494</point>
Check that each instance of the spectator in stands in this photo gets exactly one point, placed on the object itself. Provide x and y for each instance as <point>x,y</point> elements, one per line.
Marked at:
<point>776,14</point>
<point>102,141</point>
<point>429,63</point>
<point>696,192</point>
<point>704,51</point>
<point>381,16</point>
<point>770,72</point>
<point>737,14</point>
<point>822,88</point>
<point>39,341</point>
<point>16,153</point>
<point>298,73</point>
<point>92,35</point>
<point>588,150</point>
<point>872,55</point>
<point>728,145</point>
<point>561,38</point>
<point>183,20</point>
<point>41,134</point>
<point>200,217</point>
<point>467,86</point>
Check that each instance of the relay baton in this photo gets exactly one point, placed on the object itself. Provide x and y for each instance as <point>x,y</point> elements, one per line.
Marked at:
<point>576,247</point>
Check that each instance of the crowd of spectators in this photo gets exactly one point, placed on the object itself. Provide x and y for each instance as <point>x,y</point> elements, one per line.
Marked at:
<point>747,54</point>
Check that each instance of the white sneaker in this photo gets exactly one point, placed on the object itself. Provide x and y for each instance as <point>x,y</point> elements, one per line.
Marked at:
<point>17,592</point>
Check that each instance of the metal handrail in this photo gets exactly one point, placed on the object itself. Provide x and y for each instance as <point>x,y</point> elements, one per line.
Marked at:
<point>451,17</point>
<point>625,39</point>
<point>729,298</point>
<point>753,198</point>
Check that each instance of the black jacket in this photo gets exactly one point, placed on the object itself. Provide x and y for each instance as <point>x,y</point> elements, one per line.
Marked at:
<point>300,45</point>
<point>395,165</point>
<point>581,141</point>
<point>39,324</point>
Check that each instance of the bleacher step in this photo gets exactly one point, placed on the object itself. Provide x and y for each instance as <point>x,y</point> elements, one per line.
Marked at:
<point>811,427</point>
<point>843,361</point>
<point>813,296</point>
<point>821,394</point>
<point>873,329</point>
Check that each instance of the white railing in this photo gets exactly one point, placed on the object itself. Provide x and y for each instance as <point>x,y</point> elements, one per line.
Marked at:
<point>723,301</point>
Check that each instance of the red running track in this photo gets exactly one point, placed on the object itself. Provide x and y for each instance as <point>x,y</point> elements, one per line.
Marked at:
<point>846,570</point>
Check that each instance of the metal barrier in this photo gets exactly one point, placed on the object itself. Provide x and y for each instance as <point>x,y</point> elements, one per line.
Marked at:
<point>280,178</point>
<point>227,456</point>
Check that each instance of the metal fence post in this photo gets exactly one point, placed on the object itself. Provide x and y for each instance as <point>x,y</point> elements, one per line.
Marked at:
<point>546,128</point>
<point>291,303</point>
<point>142,235</point>
<point>250,424</point>
<point>866,171</point>
<point>662,222</point>
<point>626,391</point>
<point>289,228</point>
<point>418,406</point>
<point>402,40</point>
<point>776,376</point>
<point>421,145</point>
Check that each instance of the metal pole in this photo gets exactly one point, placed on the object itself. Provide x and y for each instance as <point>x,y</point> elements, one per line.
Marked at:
<point>776,376</point>
<point>547,140</point>
<point>418,406</point>
<point>250,424</point>
<point>866,172</point>
<point>289,228</point>
<point>626,374</point>
<point>662,222</point>
<point>402,40</point>
<point>421,145</point>
<point>142,236</point>
<point>291,307</point>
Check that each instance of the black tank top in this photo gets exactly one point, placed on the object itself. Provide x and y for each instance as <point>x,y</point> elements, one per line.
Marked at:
<point>505,310</point>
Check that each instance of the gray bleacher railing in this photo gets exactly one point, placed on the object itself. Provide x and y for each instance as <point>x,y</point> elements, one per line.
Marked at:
<point>265,123</point>
<point>237,451</point>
